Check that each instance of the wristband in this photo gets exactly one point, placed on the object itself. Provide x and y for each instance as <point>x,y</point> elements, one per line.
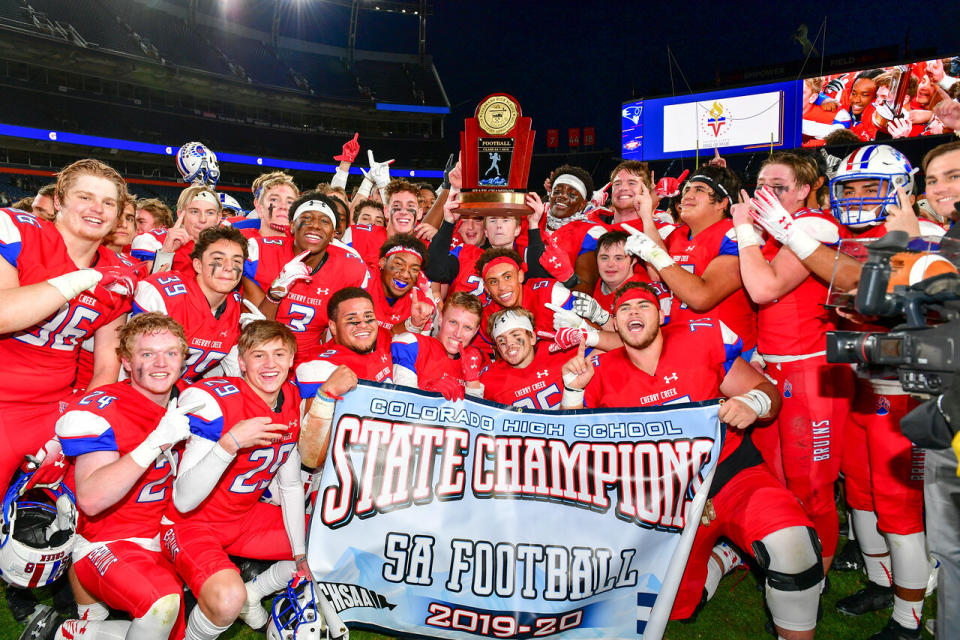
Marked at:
<point>270,297</point>
<point>235,441</point>
<point>339,178</point>
<point>412,328</point>
<point>322,406</point>
<point>747,236</point>
<point>144,454</point>
<point>71,284</point>
<point>593,337</point>
<point>572,398</point>
<point>801,244</point>
<point>365,188</point>
<point>758,401</point>
<point>659,258</point>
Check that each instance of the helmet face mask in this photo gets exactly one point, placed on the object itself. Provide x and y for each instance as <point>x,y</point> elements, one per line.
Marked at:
<point>36,533</point>
<point>198,164</point>
<point>295,614</point>
<point>881,163</point>
<point>230,204</point>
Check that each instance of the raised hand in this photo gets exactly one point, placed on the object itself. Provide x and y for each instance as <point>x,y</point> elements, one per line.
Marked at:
<point>292,272</point>
<point>471,363</point>
<point>599,198</point>
<point>176,237</point>
<point>901,217</point>
<point>668,187</point>
<point>252,314</point>
<point>350,150</point>
<point>642,246</point>
<point>379,171</point>
<point>585,306</point>
<point>254,432</point>
<point>578,370</point>
<point>767,211</point>
<point>556,261</point>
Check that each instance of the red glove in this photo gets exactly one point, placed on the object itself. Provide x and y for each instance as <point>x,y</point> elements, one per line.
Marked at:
<point>120,280</point>
<point>49,465</point>
<point>556,261</point>
<point>565,338</point>
<point>350,150</point>
<point>471,361</point>
<point>670,187</point>
<point>446,386</point>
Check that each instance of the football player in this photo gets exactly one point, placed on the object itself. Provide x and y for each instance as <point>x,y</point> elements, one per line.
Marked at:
<point>616,267</point>
<point>120,437</point>
<point>204,302</point>
<point>446,363</point>
<point>152,213</point>
<point>53,295</point>
<point>526,374</point>
<point>273,195</point>
<point>699,261</point>
<point>400,292</point>
<point>792,323</point>
<point>695,361</point>
<point>298,294</point>
<point>244,434</point>
<point>401,209</point>
<point>198,208</point>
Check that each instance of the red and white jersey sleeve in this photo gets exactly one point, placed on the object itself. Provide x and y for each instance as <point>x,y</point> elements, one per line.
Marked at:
<point>265,259</point>
<point>578,237</point>
<point>210,335</point>
<point>146,245</point>
<point>304,309</point>
<point>376,366</point>
<point>227,401</point>
<point>118,418</point>
<point>417,358</point>
<point>695,254</point>
<point>539,385</point>
<point>40,363</point>
<point>366,240</point>
<point>537,294</point>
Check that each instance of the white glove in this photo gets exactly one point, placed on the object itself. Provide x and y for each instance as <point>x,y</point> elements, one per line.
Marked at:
<point>770,214</point>
<point>292,272</point>
<point>586,306</point>
<point>379,171</point>
<point>646,249</point>
<point>254,314</point>
<point>599,198</point>
<point>173,427</point>
<point>900,127</point>
<point>564,318</point>
<point>71,284</point>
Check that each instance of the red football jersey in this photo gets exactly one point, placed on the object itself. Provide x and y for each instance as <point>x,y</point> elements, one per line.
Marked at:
<point>695,359</point>
<point>366,240</point>
<point>795,324</point>
<point>539,385</point>
<point>117,417</point>
<point>375,366</point>
<point>304,309</point>
<point>577,237</point>
<point>694,255</point>
<point>210,336</point>
<point>536,294</point>
<point>605,297</point>
<point>145,246</point>
<point>227,401</point>
<point>425,358</point>
<point>40,363</point>
<point>467,278</point>
<point>265,258</point>
<point>393,311</point>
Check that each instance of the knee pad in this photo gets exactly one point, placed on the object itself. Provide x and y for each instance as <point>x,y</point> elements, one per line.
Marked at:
<point>786,573</point>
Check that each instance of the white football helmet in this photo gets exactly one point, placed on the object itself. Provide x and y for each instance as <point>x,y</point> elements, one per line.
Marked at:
<point>300,613</point>
<point>230,205</point>
<point>37,532</point>
<point>873,162</point>
<point>198,164</point>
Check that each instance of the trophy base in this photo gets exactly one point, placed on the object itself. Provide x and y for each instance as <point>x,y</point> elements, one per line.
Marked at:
<point>493,203</point>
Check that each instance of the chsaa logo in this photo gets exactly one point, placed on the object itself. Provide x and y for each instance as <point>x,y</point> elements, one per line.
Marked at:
<point>716,119</point>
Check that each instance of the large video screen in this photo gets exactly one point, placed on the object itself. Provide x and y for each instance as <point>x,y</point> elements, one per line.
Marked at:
<point>877,103</point>
<point>734,120</point>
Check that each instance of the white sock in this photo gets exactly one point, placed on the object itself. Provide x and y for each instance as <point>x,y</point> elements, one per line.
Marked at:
<point>714,574</point>
<point>722,561</point>
<point>95,611</point>
<point>851,533</point>
<point>907,613</point>
<point>873,547</point>
<point>93,630</point>
<point>274,578</point>
<point>199,627</point>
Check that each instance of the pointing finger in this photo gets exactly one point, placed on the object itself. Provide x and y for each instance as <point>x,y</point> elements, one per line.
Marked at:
<point>179,223</point>
<point>582,349</point>
<point>370,157</point>
<point>302,256</point>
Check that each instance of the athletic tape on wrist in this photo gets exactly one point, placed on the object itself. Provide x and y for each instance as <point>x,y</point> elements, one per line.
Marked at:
<point>747,236</point>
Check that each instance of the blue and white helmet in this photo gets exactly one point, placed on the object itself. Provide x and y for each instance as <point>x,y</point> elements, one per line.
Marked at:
<point>37,533</point>
<point>301,613</point>
<point>873,162</point>
<point>230,205</point>
<point>198,164</point>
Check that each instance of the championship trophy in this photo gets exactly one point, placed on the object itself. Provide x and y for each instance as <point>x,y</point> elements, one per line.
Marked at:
<point>496,146</point>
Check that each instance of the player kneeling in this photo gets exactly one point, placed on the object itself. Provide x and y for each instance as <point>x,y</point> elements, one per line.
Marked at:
<point>244,434</point>
<point>121,436</point>
<point>691,362</point>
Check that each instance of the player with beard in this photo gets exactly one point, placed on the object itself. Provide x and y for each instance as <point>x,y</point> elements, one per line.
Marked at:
<point>568,225</point>
<point>792,325</point>
<point>241,423</point>
<point>699,261</point>
<point>526,373</point>
<point>398,299</point>
<point>119,436</point>
<point>401,210</point>
<point>451,262</point>
<point>696,361</point>
<point>298,295</point>
<point>198,208</point>
<point>447,363</point>
<point>205,303</point>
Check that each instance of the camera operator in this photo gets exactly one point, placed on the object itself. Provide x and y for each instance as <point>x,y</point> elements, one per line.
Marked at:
<point>934,423</point>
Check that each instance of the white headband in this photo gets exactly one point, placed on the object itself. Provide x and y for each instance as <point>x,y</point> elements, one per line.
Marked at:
<point>209,197</point>
<point>510,321</point>
<point>572,181</point>
<point>315,205</point>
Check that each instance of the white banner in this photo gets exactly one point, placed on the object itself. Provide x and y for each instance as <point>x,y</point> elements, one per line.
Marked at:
<point>474,520</point>
<point>724,122</point>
